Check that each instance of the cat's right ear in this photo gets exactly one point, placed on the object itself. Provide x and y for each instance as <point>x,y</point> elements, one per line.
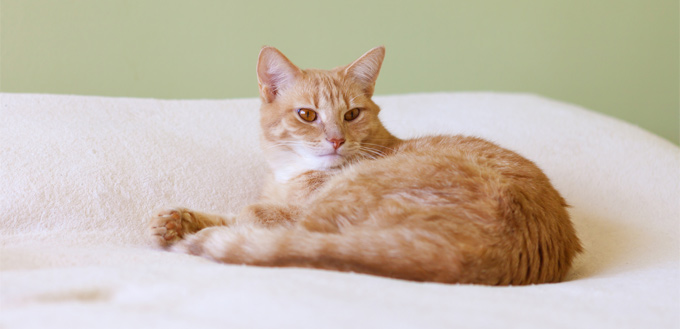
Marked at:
<point>275,73</point>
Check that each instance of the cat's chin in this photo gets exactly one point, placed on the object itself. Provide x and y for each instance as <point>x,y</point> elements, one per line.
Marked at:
<point>329,161</point>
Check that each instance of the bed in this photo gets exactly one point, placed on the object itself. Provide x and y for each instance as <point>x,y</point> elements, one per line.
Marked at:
<point>81,175</point>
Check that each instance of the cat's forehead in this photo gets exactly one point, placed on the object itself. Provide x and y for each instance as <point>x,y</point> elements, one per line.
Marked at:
<point>327,90</point>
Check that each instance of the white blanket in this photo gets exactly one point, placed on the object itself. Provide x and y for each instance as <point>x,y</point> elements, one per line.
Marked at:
<point>79,176</point>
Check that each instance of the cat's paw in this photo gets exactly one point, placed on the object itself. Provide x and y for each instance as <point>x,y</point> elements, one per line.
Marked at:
<point>165,226</point>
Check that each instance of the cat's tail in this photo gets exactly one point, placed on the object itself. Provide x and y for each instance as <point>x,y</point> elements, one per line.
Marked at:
<point>395,252</point>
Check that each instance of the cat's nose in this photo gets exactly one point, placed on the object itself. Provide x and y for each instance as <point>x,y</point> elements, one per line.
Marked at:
<point>336,142</point>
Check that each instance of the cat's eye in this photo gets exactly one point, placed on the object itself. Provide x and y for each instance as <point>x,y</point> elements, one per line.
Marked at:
<point>352,114</point>
<point>307,114</point>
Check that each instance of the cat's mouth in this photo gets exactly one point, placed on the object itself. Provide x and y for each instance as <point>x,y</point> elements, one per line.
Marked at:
<point>334,152</point>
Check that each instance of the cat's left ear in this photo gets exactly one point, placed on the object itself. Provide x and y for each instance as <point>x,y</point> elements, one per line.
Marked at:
<point>365,69</point>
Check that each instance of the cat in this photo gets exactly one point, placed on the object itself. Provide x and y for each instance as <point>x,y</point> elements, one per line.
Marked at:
<point>347,195</point>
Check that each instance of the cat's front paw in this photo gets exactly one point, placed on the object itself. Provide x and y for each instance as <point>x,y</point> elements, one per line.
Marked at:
<point>165,226</point>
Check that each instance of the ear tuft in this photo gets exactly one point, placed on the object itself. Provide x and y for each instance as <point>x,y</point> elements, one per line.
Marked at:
<point>365,70</point>
<point>275,73</point>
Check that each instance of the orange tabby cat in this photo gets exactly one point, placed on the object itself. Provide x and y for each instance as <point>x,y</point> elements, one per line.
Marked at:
<point>346,195</point>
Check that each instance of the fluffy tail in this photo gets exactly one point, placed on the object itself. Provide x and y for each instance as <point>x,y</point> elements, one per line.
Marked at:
<point>397,252</point>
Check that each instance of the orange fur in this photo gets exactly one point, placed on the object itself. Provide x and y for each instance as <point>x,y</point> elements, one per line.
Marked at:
<point>346,195</point>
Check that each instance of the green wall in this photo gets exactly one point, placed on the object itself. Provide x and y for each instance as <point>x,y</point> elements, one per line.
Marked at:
<point>617,57</point>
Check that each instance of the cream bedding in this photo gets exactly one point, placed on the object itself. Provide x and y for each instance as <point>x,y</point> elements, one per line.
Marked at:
<point>79,176</point>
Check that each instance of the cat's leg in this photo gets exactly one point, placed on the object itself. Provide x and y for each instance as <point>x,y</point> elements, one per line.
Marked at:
<point>269,214</point>
<point>170,225</point>
<point>167,226</point>
<point>396,252</point>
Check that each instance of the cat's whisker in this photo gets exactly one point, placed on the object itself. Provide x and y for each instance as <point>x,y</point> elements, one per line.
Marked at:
<point>288,143</point>
<point>378,145</point>
<point>369,152</point>
<point>374,152</point>
<point>371,148</point>
<point>275,145</point>
<point>365,155</point>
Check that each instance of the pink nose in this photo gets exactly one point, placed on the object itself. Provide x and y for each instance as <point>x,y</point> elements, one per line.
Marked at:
<point>336,142</point>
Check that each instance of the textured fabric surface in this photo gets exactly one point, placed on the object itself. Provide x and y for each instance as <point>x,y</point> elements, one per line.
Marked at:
<point>79,176</point>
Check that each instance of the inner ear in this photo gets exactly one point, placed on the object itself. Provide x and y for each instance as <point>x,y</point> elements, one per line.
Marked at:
<point>365,70</point>
<point>275,73</point>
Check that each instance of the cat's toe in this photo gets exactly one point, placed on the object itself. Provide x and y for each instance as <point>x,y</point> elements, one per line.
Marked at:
<point>165,227</point>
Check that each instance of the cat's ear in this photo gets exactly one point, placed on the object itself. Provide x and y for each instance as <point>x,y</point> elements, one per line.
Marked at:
<point>274,73</point>
<point>365,69</point>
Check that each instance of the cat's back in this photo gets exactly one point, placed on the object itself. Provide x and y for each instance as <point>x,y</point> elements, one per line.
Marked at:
<point>466,149</point>
<point>445,158</point>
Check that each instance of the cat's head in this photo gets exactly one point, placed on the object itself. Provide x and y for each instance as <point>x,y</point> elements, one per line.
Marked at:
<point>318,119</point>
